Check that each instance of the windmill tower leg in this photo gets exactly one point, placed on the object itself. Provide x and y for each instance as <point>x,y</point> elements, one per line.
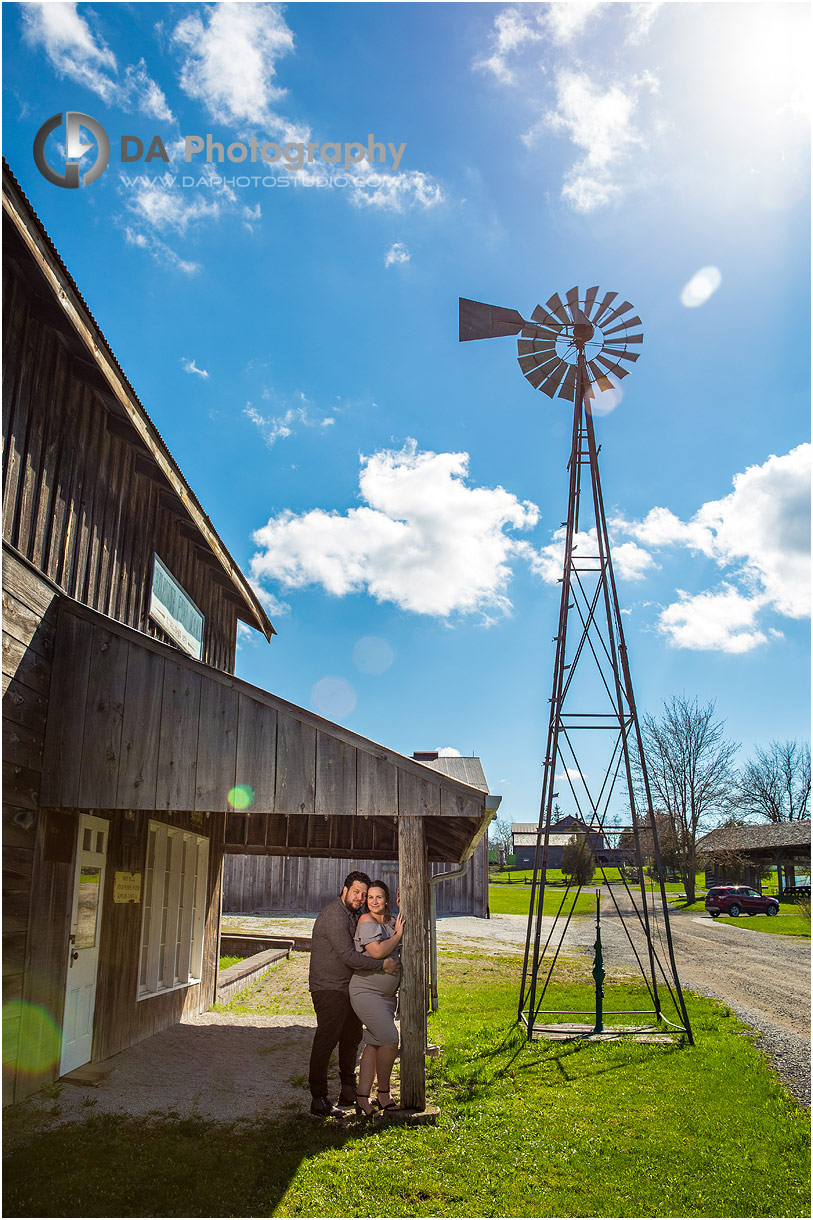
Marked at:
<point>597,629</point>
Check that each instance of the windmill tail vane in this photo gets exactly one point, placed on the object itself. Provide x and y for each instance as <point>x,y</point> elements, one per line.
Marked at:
<point>590,332</point>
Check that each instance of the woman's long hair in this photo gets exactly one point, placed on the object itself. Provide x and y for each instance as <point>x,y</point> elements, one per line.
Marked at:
<point>382,885</point>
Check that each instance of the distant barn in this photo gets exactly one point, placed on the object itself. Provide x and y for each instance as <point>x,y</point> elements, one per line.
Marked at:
<point>523,837</point>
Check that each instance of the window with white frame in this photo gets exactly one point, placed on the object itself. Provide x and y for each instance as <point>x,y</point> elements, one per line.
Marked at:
<point>174,909</point>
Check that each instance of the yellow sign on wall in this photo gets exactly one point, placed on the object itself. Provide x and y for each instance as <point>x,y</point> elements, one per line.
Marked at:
<point>127,887</point>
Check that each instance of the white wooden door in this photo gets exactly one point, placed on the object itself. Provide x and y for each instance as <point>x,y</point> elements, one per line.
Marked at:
<point>83,947</point>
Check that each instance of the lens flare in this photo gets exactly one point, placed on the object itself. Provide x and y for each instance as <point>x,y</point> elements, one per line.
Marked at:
<point>332,697</point>
<point>372,655</point>
<point>241,797</point>
<point>40,1044</point>
<point>703,284</point>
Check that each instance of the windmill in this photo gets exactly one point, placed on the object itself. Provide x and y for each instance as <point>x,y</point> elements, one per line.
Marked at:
<point>571,349</point>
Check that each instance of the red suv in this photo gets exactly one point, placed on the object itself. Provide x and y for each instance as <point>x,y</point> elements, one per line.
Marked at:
<point>738,900</point>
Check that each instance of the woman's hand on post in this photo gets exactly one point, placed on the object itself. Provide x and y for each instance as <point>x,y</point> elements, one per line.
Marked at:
<point>399,925</point>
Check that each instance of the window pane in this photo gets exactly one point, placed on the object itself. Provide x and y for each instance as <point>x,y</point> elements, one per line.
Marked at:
<point>87,910</point>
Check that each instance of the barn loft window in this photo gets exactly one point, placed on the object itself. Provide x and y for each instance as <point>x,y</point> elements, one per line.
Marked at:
<point>174,909</point>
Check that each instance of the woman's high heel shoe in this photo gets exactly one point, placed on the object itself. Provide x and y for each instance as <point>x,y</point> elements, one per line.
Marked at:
<point>391,1105</point>
<point>360,1111</point>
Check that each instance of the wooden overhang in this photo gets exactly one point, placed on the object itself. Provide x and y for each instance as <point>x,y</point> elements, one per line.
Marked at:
<point>134,724</point>
<point>70,315</point>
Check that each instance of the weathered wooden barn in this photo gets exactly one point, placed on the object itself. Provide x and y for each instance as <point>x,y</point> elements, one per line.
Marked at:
<point>254,881</point>
<point>129,745</point>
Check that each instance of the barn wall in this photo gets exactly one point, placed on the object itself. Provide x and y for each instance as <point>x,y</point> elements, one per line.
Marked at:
<point>300,885</point>
<point>83,501</point>
<point>29,627</point>
<point>122,1020</point>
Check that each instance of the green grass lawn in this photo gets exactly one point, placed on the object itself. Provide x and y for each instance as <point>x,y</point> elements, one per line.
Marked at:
<point>789,922</point>
<point>229,960</point>
<point>503,900</point>
<point>539,1129</point>
<point>555,876</point>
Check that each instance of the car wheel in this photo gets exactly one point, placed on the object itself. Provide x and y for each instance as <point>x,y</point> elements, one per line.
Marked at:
<point>734,909</point>
<point>772,911</point>
<point>714,914</point>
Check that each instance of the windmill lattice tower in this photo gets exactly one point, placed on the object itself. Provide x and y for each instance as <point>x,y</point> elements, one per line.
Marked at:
<point>570,349</point>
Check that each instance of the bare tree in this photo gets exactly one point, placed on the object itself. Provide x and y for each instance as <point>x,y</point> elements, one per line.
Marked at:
<point>499,836</point>
<point>691,773</point>
<point>775,784</point>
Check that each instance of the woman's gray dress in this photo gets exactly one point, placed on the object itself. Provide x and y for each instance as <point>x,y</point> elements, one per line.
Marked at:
<point>372,992</point>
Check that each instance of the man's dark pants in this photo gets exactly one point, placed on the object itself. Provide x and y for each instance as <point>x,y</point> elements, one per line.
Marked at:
<point>335,1023</point>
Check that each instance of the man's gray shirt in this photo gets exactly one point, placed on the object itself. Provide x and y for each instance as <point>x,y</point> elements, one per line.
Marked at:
<point>333,954</point>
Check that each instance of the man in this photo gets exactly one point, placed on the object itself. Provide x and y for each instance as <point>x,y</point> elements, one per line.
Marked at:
<point>333,960</point>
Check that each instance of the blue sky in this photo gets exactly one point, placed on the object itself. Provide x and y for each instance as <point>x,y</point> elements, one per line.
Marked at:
<point>293,333</point>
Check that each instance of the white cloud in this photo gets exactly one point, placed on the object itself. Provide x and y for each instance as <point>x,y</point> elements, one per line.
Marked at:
<point>448,752</point>
<point>423,539</point>
<point>270,604</point>
<point>565,22</point>
<point>278,427</point>
<point>512,31</point>
<point>159,250</point>
<point>147,95</point>
<point>397,255</point>
<point>76,53</point>
<point>759,535</point>
<point>765,524</point>
<point>189,366</point>
<point>641,17</point>
<point>397,191</point>
<point>600,123</point>
<point>761,530</point>
<point>724,621</point>
<point>158,206</point>
<point>231,52</point>
<point>630,561</point>
<point>703,284</point>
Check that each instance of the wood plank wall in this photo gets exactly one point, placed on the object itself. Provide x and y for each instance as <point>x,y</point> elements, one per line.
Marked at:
<point>82,499</point>
<point>122,1020</point>
<point>300,885</point>
<point>29,629</point>
<point>35,934</point>
<point>141,728</point>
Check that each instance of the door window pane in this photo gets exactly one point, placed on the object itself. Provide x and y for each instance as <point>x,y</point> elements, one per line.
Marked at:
<point>87,909</point>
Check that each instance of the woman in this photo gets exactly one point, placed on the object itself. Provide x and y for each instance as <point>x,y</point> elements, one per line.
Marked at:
<point>373,996</point>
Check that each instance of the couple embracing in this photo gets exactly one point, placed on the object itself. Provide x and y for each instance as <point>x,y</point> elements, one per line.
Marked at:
<point>353,980</point>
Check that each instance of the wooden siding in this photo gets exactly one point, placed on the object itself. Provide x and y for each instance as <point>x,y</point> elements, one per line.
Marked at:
<point>300,885</point>
<point>318,789</point>
<point>121,1020</point>
<point>29,629</point>
<point>83,502</point>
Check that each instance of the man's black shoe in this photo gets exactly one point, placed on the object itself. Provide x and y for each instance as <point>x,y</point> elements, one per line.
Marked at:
<point>325,1108</point>
<point>347,1101</point>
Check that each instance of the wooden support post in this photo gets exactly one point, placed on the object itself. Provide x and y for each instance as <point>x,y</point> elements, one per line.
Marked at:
<point>412,879</point>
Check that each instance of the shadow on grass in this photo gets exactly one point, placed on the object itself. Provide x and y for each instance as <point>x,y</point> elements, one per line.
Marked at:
<point>468,1075</point>
<point>160,1166</point>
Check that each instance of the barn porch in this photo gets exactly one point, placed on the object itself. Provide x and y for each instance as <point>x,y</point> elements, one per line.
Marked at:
<point>143,735</point>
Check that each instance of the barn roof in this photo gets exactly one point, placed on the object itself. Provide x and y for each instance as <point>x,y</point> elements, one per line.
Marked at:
<point>756,837</point>
<point>72,317</point>
<point>468,769</point>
